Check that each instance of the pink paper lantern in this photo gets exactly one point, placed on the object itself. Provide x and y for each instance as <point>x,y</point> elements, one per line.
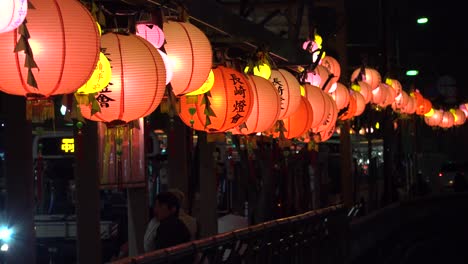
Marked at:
<point>12,14</point>
<point>151,33</point>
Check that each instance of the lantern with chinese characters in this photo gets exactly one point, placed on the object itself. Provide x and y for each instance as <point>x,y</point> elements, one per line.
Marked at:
<point>225,106</point>
<point>98,80</point>
<point>317,99</point>
<point>265,109</point>
<point>341,96</point>
<point>288,89</point>
<point>151,33</point>
<point>298,123</point>
<point>60,53</point>
<point>333,66</point>
<point>370,76</point>
<point>12,14</point>
<point>190,52</point>
<point>138,80</point>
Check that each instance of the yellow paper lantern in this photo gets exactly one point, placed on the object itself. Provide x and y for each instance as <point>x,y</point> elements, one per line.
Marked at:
<point>206,86</point>
<point>262,70</point>
<point>100,77</point>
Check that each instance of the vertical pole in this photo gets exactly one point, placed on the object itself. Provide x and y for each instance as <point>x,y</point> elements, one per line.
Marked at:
<point>137,219</point>
<point>19,181</point>
<point>87,196</point>
<point>178,155</point>
<point>208,194</point>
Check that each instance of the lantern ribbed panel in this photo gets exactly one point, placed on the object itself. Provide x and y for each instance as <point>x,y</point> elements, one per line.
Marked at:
<point>366,91</point>
<point>410,107</point>
<point>151,33</point>
<point>435,119</point>
<point>289,91</point>
<point>266,106</point>
<point>138,79</point>
<point>224,102</point>
<point>371,76</point>
<point>331,115</point>
<point>360,103</point>
<point>390,95</point>
<point>12,14</point>
<point>65,44</point>
<point>400,101</point>
<point>299,122</point>
<point>460,117</point>
<point>167,65</point>
<point>324,73</point>
<point>352,106</point>
<point>191,54</point>
<point>318,102</point>
<point>341,96</point>
<point>333,66</point>
<point>379,94</point>
<point>447,120</point>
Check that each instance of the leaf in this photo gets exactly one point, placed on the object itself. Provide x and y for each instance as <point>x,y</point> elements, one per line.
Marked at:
<point>207,121</point>
<point>31,79</point>
<point>209,112</point>
<point>29,62</point>
<point>21,44</point>
<point>192,110</point>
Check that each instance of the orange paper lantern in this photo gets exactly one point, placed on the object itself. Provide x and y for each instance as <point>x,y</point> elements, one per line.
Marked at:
<point>341,96</point>
<point>138,80</point>
<point>289,91</point>
<point>401,101</point>
<point>352,106</point>
<point>333,66</point>
<point>459,117</point>
<point>370,76</point>
<point>231,101</point>
<point>318,102</point>
<point>360,103</point>
<point>299,122</point>
<point>389,96</point>
<point>434,119</point>
<point>190,52</point>
<point>65,44</point>
<point>447,120</point>
<point>266,106</point>
<point>410,107</point>
<point>12,14</point>
<point>331,116</point>
<point>366,91</point>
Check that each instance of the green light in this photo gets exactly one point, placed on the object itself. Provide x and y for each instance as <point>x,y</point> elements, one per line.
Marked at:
<point>412,73</point>
<point>423,20</point>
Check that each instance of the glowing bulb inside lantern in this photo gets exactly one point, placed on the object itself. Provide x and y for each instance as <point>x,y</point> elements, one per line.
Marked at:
<point>35,46</point>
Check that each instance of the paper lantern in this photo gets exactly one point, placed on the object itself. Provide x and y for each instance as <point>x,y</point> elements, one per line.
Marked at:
<point>12,14</point>
<point>360,103</point>
<point>401,101</point>
<point>299,122</point>
<point>341,96</point>
<point>100,77</point>
<point>266,106</point>
<point>313,78</point>
<point>464,108</point>
<point>168,65</point>
<point>64,43</point>
<point>289,91</point>
<point>151,33</point>
<point>318,103</point>
<point>459,117</point>
<point>447,120</point>
<point>328,133</point>
<point>190,52</point>
<point>331,115</point>
<point>370,76</point>
<point>262,70</point>
<point>324,75</point>
<point>395,84</point>
<point>138,80</point>
<point>390,95</point>
<point>425,107</point>
<point>206,86</point>
<point>333,67</point>
<point>350,111</point>
<point>434,119</point>
<point>410,107</point>
<point>231,101</point>
<point>365,90</point>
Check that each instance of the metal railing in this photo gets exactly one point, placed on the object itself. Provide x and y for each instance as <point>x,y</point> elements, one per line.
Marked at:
<point>314,235</point>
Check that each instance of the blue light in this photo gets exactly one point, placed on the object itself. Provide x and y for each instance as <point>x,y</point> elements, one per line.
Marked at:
<point>5,233</point>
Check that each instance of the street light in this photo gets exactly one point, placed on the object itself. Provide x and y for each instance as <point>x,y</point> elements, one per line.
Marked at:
<point>412,72</point>
<point>422,20</point>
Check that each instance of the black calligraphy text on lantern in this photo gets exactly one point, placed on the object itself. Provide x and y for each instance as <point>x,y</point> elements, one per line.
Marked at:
<point>103,98</point>
<point>277,83</point>
<point>239,104</point>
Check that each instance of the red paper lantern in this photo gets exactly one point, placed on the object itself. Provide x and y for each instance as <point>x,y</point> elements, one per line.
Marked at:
<point>401,101</point>
<point>138,80</point>
<point>191,55</point>
<point>289,91</point>
<point>459,117</point>
<point>434,119</point>
<point>366,91</point>
<point>151,33</point>
<point>360,103</point>
<point>65,44</point>
<point>231,101</point>
<point>331,116</point>
<point>370,76</point>
<point>447,120</point>
<point>341,96</point>
<point>319,104</point>
<point>333,66</point>
<point>266,106</point>
<point>12,14</point>
<point>299,122</point>
<point>352,106</point>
